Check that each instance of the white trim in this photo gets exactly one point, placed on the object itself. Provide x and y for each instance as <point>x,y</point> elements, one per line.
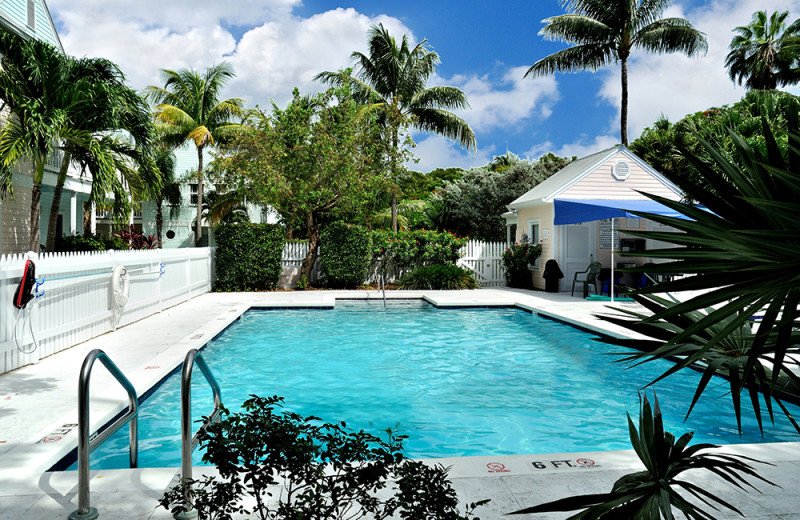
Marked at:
<point>535,239</point>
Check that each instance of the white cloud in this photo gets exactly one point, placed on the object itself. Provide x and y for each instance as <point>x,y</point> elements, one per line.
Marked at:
<point>278,51</point>
<point>436,152</point>
<point>676,85</point>
<point>582,147</point>
<point>504,103</point>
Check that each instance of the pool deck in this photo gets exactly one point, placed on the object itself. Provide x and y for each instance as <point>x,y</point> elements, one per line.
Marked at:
<point>38,414</point>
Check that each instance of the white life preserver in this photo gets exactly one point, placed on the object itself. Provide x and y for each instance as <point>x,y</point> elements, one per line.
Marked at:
<point>120,285</point>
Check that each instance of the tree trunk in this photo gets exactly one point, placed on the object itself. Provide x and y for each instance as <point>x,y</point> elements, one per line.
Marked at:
<point>87,218</point>
<point>54,207</point>
<point>313,239</point>
<point>159,219</point>
<point>623,133</point>
<point>198,227</point>
<point>395,146</point>
<point>36,196</point>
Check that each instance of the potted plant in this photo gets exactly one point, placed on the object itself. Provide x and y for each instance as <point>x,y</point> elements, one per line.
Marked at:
<point>517,260</point>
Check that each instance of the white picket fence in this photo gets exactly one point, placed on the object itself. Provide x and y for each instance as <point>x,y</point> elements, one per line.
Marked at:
<point>77,301</point>
<point>484,259</point>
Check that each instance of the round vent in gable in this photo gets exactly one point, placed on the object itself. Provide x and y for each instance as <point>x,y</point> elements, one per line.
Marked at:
<point>621,170</point>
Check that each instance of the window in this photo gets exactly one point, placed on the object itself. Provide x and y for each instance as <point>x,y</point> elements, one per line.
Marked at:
<point>533,236</point>
<point>193,190</point>
<point>32,14</point>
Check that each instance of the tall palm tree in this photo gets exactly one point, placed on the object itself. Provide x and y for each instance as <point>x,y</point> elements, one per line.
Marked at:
<point>765,53</point>
<point>110,159</point>
<point>188,107</point>
<point>36,86</point>
<point>392,81</point>
<point>606,31</point>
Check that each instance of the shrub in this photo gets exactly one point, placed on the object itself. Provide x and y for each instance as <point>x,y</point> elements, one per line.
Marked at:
<point>249,256</point>
<point>345,254</point>
<point>438,276</point>
<point>516,260</point>
<point>89,243</point>
<point>417,248</point>
<point>325,471</point>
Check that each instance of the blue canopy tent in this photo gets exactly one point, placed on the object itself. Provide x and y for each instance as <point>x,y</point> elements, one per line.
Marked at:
<point>574,211</point>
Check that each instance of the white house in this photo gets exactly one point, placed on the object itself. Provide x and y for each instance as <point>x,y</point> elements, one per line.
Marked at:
<point>612,176</point>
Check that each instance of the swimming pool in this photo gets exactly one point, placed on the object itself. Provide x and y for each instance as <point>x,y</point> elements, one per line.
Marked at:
<point>489,381</point>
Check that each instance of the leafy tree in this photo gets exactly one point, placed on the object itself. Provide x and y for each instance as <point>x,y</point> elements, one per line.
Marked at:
<point>765,53</point>
<point>188,107</point>
<point>310,159</point>
<point>473,205</point>
<point>391,82</point>
<point>659,143</point>
<point>606,31</point>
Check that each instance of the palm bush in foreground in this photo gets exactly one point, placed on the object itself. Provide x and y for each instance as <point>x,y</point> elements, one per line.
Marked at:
<point>438,276</point>
<point>652,493</point>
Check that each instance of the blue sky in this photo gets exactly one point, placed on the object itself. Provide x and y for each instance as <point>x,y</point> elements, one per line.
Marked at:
<point>485,49</point>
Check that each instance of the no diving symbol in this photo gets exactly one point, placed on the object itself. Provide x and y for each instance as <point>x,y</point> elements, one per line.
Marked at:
<point>586,463</point>
<point>496,467</point>
<point>53,438</point>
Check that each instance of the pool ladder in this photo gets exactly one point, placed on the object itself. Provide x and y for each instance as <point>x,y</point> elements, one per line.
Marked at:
<point>188,441</point>
<point>85,444</point>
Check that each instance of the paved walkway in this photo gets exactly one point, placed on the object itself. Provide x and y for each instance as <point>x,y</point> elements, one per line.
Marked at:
<point>38,413</point>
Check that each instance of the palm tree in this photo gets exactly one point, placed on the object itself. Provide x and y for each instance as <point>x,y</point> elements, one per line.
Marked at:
<point>109,158</point>
<point>188,107</point>
<point>608,30</point>
<point>36,86</point>
<point>392,82</point>
<point>765,53</point>
<point>170,192</point>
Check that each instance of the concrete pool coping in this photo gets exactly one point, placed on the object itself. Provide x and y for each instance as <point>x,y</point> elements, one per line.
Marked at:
<point>38,411</point>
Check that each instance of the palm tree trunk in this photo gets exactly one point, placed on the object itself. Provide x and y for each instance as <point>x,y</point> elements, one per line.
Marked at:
<point>623,132</point>
<point>198,228</point>
<point>395,145</point>
<point>159,219</point>
<point>52,221</point>
<point>36,197</point>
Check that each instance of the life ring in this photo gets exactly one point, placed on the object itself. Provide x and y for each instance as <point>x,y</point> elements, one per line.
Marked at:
<point>120,285</point>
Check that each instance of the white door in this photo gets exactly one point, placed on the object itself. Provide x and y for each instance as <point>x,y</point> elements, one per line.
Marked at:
<point>658,244</point>
<point>578,250</point>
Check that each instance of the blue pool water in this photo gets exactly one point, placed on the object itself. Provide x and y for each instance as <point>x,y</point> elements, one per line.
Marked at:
<point>457,382</point>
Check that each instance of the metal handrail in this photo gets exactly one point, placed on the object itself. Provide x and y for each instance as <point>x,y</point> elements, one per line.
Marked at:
<point>85,444</point>
<point>188,441</point>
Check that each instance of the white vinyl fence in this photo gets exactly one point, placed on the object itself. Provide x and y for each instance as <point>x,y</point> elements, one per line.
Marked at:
<point>77,301</point>
<point>484,259</point>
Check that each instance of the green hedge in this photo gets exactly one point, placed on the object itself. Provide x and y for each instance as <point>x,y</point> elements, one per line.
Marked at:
<point>345,252</point>
<point>72,243</point>
<point>249,256</point>
<point>438,276</point>
<point>417,248</point>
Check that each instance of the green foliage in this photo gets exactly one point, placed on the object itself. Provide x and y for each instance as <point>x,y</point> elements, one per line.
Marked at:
<point>473,205</point>
<point>652,493</point>
<point>418,185</point>
<point>659,144</point>
<point>764,54</point>
<point>249,256</point>
<point>743,258</point>
<point>417,248</point>
<point>316,156</point>
<point>90,243</point>
<point>279,465</point>
<point>516,260</point>
<point>438,276</point>
<point>346,254</point>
